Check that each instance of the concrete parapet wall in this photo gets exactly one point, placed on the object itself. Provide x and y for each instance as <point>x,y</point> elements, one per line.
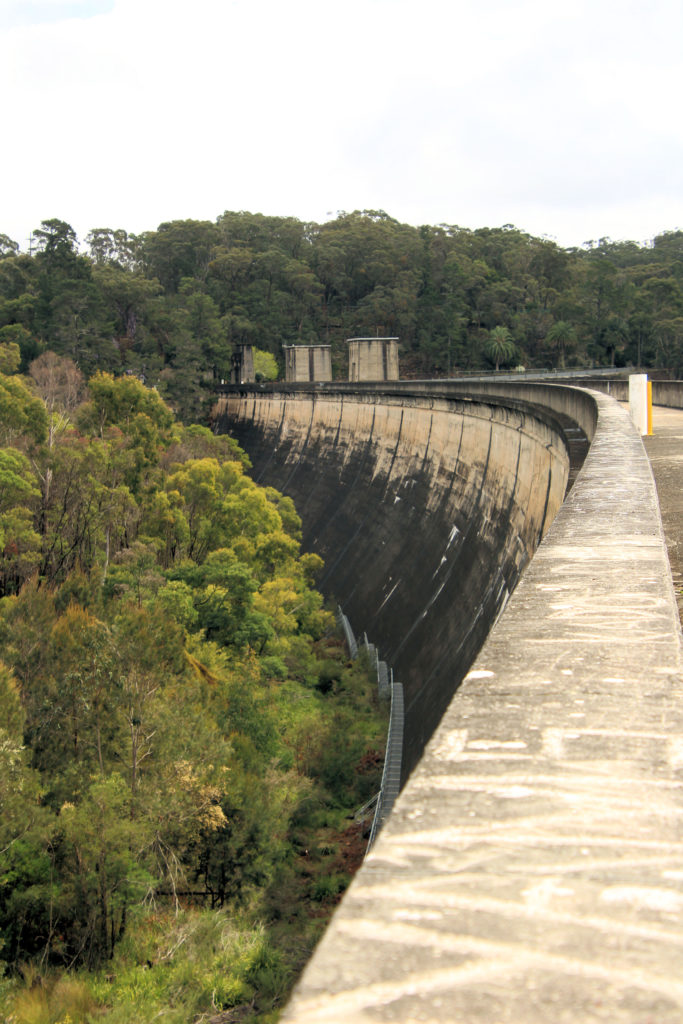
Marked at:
<point>425,508</point>
<point>573,402</point>
<point>531,869</point>
<point>668,393</point>
<point>664,392</point>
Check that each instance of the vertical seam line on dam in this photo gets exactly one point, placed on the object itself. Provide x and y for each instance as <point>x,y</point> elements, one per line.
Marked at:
<point>306,441</point>
<point>395,453</point>
<point>329,568</point>
<point>270,457</point>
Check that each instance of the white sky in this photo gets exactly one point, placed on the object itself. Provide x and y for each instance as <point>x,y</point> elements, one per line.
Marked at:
<point>562,117</point>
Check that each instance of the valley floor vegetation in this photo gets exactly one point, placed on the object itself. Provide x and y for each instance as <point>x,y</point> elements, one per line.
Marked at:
<point>183,740</point>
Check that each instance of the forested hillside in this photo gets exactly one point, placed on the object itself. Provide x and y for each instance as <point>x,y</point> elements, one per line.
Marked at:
<point>181,735</point>
<point>170,304</point>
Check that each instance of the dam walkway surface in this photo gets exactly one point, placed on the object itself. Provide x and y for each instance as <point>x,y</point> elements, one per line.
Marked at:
<point>532,869</point>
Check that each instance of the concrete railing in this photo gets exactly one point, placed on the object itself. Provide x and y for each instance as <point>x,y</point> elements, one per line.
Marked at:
<point>664,392</point>
<point>531,869</point>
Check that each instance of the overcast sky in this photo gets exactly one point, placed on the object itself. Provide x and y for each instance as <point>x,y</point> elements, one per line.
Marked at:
<point>562,117</point>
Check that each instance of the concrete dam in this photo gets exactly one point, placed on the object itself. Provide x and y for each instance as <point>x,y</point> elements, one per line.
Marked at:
<point>425,508</point>
<point>531,867</point>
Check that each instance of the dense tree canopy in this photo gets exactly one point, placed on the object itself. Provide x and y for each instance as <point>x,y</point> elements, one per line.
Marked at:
<point>169,305</point>
<point>169,679</point>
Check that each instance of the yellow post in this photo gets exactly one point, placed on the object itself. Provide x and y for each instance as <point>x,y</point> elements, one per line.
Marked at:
<point>649,408</point>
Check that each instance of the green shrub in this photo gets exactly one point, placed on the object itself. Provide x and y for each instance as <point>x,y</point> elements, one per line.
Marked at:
<point>327,888</point>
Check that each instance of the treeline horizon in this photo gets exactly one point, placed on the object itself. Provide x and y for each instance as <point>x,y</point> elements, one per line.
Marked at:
<point>170,305</point>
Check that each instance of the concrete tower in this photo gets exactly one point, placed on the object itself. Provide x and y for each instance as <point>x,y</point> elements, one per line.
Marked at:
<point>373,359</point>
<point>308,362</point>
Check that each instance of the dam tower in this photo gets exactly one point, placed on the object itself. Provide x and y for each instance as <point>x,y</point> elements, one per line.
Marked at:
<point>306,363</point>
<point>373,359</point>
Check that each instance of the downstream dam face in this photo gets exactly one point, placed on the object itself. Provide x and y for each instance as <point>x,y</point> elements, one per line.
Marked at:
<point>425,505</point>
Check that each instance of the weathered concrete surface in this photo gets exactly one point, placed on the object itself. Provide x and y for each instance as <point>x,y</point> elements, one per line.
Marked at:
<point>373,359</point>
<point>665,450</point>
<point>532,870</point>
<point>425,508</point>
<point>308,362</point>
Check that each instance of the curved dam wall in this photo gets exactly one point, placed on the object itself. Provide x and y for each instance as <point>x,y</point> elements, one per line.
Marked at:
<point>531,868</point>
<point>426,507</point>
